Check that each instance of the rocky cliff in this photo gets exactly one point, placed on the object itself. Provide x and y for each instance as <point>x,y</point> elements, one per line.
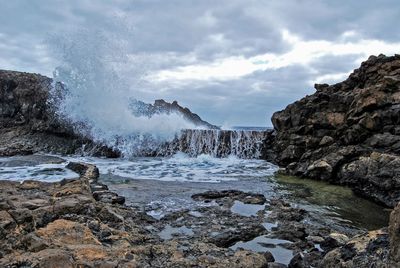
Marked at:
<point>161,106</point>
<point>347,133</point>
<point>28,120</point>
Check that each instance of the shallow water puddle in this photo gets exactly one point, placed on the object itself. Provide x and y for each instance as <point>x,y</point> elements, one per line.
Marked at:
<point>246,210</point>
<point>169,232</point>
<point>270,225</point>
<point>156,214</point>
<point>264,244</point>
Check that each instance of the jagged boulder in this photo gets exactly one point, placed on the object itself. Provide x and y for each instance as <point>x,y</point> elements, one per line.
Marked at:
<point>347,133</point>
<point>162,107</point>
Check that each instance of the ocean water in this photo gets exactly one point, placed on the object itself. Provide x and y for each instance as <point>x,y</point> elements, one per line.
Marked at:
<point>181,167</point>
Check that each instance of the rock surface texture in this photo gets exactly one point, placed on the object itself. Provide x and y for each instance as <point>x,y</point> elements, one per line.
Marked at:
<point>63,224</point>
<point>161,106</point>
<point>347,133</point>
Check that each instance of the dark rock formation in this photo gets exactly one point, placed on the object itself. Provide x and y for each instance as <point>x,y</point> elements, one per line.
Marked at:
<point>29,122</point>
<point>347,133</point>
<point>162,107</point>
<point>380,248</point>
<point>394,234</point>
<point>367,250</point>
<point>246,198</point>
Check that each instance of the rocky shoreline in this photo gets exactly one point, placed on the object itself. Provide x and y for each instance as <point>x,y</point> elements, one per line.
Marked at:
<point>79,222</point>
<point>346,134</point>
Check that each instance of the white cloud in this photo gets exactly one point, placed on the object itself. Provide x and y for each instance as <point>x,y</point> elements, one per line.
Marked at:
<point>301,52</point>
<point>330,78</point>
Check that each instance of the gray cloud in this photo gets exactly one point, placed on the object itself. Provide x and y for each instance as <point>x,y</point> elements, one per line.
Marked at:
<point>163,35</point>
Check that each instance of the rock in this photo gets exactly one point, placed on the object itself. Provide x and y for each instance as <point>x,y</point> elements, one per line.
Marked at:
<point>326,140</point>
<point>63,233</point>
<point>6,220</point>
<point>376,176</point>
<point>108,197</point>
<point>297,262</point>
<point>227,239</point>
<point>333,133</point>
<point>88,171</point>
<point>47,258</point>
<point>269,257</point>
<point>334,240</point>
<point>161,106</point>
<point>247,198</point>
<point>320,168</point>
<point>394,234</point>
<point>61,224</point>
<point>28,120</point>
<point>366,250</point>
<point>21,215</point>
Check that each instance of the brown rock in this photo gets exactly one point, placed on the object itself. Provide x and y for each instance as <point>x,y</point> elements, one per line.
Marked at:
<point>362,113</point>
<point>6,221</point>
<point>64,233</point>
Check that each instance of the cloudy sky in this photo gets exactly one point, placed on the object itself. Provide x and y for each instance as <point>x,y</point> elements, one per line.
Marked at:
<point>232,62</point>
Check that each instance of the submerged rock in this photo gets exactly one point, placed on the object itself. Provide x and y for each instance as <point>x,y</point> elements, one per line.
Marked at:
<point>347,133</point>
<point>231,195</point>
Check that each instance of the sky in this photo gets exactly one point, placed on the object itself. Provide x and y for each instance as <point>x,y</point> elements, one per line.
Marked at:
<point>232,62</point>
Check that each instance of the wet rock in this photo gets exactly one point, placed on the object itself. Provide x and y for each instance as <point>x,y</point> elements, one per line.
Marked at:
<point>292,231</point>
<point>87,171</point>
<point>29,122</point>
<point>108,197</point>
<point>229,238</point>
<point>394,233</point>
<point>297,262</point>
<point>21,215</point>
<point>372,173</point>
<point>366,250</point>
<point>269,257</point>
<point>247,198</point>
<point>334,240</point>
<point>347,133</point>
